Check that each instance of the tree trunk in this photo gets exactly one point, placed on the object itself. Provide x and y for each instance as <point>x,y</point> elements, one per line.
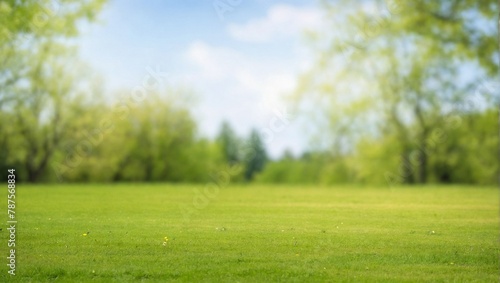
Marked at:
<point>117,175</point>
<point>32,174</point>
<point>422,162</point>
<point>408,169</point>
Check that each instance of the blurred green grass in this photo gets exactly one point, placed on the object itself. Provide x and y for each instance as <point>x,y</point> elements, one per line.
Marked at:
<point>255,233</point>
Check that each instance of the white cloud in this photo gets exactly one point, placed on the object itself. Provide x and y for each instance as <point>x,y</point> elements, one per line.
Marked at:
<point>225,65</point>
<point>280,21</point>
<point>243,88</point>
<point>214,63</point>
<point>247,87</point>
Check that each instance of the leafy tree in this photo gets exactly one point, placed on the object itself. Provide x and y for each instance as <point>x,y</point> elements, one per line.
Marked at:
<point>42,113</point>
<point>151,140</point>
<point>229,143</point>
<point>466,152</point>
<point>311,168</point>
<point>255,157</point>
<point>156,141</point>
<point>36,27</point>
<point>37,89</point>
<point>402,74</point>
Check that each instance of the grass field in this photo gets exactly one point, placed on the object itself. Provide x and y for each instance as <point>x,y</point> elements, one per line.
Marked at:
<point>255,234</point>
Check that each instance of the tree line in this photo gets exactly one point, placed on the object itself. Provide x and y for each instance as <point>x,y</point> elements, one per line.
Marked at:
<point>414,101</point>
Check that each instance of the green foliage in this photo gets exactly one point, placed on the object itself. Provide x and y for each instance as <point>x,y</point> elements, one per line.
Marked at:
<point>42,20</point>
<point>462,149</point>
<point>468,152</point>
<point>387,80</point>
<point>229,143</point>
<point>42,114</point>
<point>249,155</point>
<point>38,90</point>
<point>386,96</point>
<point>151,140</point>
<point>32,32</point>
<point>60,126</point>
<point>311,168</point>
<point>288,170</point>
<point>255,156</point>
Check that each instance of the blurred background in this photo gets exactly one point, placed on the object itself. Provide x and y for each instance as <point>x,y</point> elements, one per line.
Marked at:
<point>295,92</point>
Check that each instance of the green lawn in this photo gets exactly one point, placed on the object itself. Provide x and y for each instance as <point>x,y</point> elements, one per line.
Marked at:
<point>255,234</point>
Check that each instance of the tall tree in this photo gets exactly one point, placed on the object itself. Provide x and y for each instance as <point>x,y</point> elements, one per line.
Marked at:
<point>27,27</point>
<point>398,69</point>
<point>229,143</point>
<point>37,89</point>
<point>255,157</point>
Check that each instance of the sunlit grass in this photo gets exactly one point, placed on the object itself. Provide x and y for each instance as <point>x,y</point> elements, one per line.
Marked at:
<point>256,233</point>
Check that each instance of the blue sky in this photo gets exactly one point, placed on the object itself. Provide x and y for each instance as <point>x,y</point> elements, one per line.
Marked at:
<point>240,63</point>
